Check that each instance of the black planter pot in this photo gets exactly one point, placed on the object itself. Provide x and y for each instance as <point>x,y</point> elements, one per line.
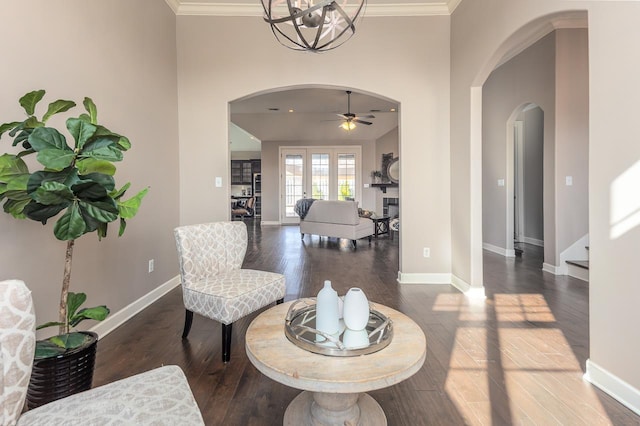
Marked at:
<point>63,375</point>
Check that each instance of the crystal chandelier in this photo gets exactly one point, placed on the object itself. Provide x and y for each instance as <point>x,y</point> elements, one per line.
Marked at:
<point>313,25</point>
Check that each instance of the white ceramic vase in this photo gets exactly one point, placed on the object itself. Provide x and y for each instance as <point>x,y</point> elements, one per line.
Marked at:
<point>327,310</point>
<point>356,309</point>
<point>355,339</point>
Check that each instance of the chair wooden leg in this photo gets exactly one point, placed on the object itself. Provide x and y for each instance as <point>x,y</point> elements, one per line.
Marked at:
<point>188,319</point>
<point>226,342</point>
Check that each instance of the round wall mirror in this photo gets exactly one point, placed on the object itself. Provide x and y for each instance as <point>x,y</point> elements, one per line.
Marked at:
<point>393,170</point>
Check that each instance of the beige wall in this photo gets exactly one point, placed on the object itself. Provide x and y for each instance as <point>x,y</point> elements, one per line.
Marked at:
<point>122,54</point>
<point>482,32</point>
<point>533,123</point>
<point>572,137</point>
<point>214,68</point>
<point>527,78</point>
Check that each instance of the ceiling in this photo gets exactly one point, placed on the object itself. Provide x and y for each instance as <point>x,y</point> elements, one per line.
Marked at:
<point>312,114</point>
<point>254,7</point>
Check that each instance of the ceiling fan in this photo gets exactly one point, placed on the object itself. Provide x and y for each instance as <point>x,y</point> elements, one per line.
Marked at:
<point>350,119</point>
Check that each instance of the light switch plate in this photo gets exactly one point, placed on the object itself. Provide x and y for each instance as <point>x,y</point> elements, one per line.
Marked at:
<point>500,182</point>
<point>569,180</point>
<point>218,182</point>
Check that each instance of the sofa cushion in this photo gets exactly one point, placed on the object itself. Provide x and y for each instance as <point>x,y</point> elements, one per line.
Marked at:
<point>339,212</point>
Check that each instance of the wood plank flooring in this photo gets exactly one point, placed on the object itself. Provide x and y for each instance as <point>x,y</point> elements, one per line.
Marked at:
<point>515,358</point>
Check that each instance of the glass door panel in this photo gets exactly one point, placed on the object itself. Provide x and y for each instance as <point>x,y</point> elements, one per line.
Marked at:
<point>346,176</point>
<point>320,176</point>
<point>293,183</point>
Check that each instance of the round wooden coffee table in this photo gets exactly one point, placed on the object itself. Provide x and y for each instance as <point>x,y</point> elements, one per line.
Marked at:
<point>334,386</point>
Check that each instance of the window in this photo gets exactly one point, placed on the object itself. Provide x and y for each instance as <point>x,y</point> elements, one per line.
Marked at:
<point>323,173</point>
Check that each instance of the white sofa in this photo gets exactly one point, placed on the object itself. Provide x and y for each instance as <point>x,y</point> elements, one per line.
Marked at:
<point>336,219</point>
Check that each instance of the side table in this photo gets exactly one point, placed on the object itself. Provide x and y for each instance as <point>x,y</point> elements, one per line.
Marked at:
<point>380,225</point>
<point>334,387</point>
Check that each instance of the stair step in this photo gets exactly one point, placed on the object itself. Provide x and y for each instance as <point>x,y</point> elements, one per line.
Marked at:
<point>580,263</point>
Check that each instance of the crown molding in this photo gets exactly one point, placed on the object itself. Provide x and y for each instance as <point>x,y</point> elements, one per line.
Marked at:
<point>194,8</point>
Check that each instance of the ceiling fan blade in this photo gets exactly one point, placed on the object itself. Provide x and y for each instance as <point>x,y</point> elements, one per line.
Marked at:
<point>362,121</point>
<point>366,116</point>
<point>344,116</point>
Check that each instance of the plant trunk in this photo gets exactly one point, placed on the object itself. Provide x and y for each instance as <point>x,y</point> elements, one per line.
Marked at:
<point>65,288</point>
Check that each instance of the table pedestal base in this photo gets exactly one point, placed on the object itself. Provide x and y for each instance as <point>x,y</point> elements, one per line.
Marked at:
<point>334,409</point>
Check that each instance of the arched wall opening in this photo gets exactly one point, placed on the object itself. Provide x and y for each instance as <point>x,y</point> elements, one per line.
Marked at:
<point>531,35</point>
<point>304,121</point>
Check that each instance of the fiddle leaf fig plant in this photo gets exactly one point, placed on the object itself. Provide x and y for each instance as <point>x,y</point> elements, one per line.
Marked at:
<point>76,185</point>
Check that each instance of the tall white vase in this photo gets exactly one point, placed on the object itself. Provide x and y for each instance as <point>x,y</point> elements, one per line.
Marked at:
<point>327,310</point>
<point>356,309</point>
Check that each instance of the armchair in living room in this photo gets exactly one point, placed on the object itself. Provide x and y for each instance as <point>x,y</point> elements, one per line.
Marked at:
<point>161,396</point>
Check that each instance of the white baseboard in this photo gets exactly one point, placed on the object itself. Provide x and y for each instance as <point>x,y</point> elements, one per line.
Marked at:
<point>115,320</point>
<point>406,278</point>
<point>535,242</point>
<point>269,223</point>
<point>499,250</point>
<point>467,289</point>
<point>617,388</point>
<point>460,284</point>
<point>547,267</point>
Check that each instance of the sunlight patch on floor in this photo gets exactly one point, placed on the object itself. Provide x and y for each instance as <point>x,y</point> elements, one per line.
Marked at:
<point>514,364</point>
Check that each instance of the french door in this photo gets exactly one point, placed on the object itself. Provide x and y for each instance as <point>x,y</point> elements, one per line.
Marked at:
<point>325,173</point>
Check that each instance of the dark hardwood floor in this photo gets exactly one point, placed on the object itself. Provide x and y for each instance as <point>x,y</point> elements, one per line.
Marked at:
<point>515,358</point>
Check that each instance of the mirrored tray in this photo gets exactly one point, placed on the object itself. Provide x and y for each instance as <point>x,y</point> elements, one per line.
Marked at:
<point>300,330</point>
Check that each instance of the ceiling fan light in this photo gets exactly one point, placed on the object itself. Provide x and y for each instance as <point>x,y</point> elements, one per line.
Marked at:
<point>348,125</point>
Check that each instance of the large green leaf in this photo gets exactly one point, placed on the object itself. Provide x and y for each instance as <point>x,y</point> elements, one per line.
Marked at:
<point>69,177</point>
<point>12,166</point>
<point>49,324</point>
<point>8,126</point>
<point>129,208</point>
<point>18,195</point>
<point>89,190</point>
<point>103,211</point>
<point>16,208</point>
<point>108,153</point>
<point>91,109</point>
<point>53,193</point>
<point>91,165</point>
<point>56,107</point>
<point>124,144</point>
<point>74,301</point>
<point>97,313</point>
<point>69,341</point>
<point>119,193</point>
<point>18,183</point>
<point>42,213</point>
<point>47,349</point>
<point>56,159</point>
<point>81,131</point>
<point>70,225</point>
<point>48,138</point>
<point>105,180</point>
<point>30,100</point>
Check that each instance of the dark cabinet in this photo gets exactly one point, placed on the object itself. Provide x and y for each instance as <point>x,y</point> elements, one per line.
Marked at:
<point>242,171</point>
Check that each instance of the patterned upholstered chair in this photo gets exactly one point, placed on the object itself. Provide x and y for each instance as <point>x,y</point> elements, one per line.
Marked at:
<point>213,283</point>
<point>160,397</point>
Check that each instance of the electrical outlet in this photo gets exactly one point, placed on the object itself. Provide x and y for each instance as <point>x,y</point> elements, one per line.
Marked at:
<point>426,252</point>
<point>151,265</point>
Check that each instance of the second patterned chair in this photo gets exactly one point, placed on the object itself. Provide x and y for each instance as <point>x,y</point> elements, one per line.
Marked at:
<point>214,284</point>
